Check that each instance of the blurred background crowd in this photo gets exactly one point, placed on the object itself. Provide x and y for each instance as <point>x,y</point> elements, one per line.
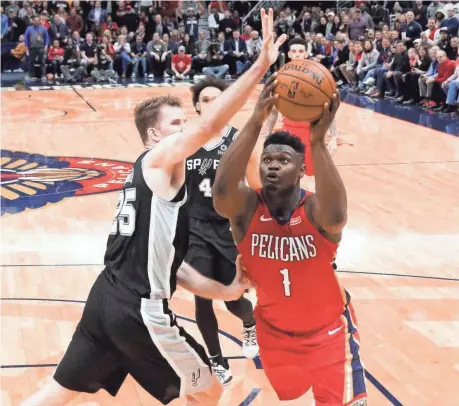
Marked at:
<point>406,51</point>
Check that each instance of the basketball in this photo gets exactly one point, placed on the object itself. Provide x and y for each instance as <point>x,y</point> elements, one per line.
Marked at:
<point>304,87</point>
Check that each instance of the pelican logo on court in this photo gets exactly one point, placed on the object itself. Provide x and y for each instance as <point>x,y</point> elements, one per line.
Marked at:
<point>206,164</point>
<point>292,89</point>
<point>31,181</point>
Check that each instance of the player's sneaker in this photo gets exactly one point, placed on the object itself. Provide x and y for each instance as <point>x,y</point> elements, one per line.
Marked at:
<point>250,343</point>
<point>223,374</point>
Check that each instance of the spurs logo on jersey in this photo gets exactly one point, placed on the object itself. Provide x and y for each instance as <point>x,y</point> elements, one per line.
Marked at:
<point>201,169</point>
<point>286,249</point>
<point>205,164</point>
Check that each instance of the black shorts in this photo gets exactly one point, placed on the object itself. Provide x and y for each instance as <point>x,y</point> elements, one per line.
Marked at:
<point>211,250</point>
<point>118,336</point>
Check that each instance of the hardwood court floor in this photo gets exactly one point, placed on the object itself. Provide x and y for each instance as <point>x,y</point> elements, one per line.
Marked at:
<point>397,258</point>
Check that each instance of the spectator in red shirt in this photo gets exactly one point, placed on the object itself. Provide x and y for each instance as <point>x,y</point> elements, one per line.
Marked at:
<point>110,24</point>
<point>446,68</point>
<point>181,65</point>
<point>56,56</point>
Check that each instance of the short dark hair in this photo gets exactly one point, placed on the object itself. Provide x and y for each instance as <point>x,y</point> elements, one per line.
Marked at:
<point>285,138</point>
<point>146,113</point>
<point>209,81</point>
<point>297,41</point>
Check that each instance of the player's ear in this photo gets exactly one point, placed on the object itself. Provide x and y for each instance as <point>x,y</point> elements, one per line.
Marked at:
<point>302,170</point>
<point>197,106</point>
<point>153,134</point>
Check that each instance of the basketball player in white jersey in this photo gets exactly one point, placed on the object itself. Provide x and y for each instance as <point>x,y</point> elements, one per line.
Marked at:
<point>127,326</point>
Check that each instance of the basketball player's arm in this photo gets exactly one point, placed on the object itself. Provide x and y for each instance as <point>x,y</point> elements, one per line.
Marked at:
<point>230,192</point>
<point>192,280</point>
<point>177,147</point>
<point>329,203</point>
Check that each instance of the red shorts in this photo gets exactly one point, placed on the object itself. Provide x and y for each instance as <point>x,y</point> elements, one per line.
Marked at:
<point>328,361</point>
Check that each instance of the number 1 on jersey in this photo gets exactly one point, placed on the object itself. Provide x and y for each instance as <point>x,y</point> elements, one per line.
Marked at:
<point>286,282</point>
<point>205,187</point>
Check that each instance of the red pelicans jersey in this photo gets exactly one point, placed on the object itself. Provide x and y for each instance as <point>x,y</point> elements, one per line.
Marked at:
<point>291,265</point>
<point>301,130</point>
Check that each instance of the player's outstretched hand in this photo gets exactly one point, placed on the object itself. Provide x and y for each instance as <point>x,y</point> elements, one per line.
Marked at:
<point>320,127</point>
<point>240,283</point>
<point>270,50</point>
<point>266,100</point>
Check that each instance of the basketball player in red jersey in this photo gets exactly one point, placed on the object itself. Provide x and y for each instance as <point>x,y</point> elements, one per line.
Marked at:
<point>297,50</point>
<point>307,331</point>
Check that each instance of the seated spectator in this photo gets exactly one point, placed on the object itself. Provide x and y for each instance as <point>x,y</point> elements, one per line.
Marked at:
<point>348,69</point>
<point>254,46</point>
<point>382,67</point>
<point>139,54</point>
<point>36,40</point>
<point>181,65</point>
<point>174,41</point>
<point>367,66</point>
<point>109,24</point>
<point>188,44</point>
<point>88,53</point>
<point>59,30</point>
<point>103,70</point>
<point>18,55</point>
<point>452,51</point>
<point>444,44</point>
<point>446,68</point>
<point>400,66</point>
<point>246,34</point>
<point>321,27</point>
<point>123,51</point>
<point>215,66</point>
<point>157,54</point>
<point>56,57</point>
<point>451,22</point>
<point>431,36</point>
<point>200,51</point>
<point>421,65</point>
<point>76,39</point>
<point>141,32</point>
<point>342,56</point>
<point>74,21</point>
<point>71,66</point>
<point>451,88</point>
<point>237,53</point>
<point>426,80</point>
<point>109,49</point>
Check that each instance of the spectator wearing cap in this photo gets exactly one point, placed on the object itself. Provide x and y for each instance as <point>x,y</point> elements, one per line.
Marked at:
<point>412,30</point>
<point>451,87</point>
<point>97,17</point>
<point>15,26</point>
<point>400,66</point>
<point>181,65</point>
<point>444,44</point>
<point>357,26</point>
<point>431,36</point>
<point>36,40</point>
<point>329,26</point>
<point>74,21</point>
<point>157,54</point>
<point>451,22</point>
<point>426,81</point>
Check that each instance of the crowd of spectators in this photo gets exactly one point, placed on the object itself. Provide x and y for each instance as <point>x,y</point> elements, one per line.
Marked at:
<point>406,51</point>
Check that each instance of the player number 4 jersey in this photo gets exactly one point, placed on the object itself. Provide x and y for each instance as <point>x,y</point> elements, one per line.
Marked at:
<point>201,169</point>
<point>291,265</point>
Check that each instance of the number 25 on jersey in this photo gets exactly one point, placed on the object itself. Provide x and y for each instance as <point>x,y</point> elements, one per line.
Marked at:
<point>124,221</point>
